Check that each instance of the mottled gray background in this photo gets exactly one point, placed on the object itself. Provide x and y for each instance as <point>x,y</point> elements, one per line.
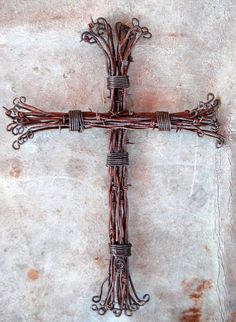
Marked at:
<point>53,192</point>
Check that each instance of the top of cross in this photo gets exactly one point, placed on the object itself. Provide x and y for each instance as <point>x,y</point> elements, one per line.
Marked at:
<point>28,120</point>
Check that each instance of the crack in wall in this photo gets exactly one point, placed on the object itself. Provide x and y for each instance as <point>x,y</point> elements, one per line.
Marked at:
<point>219,239</point>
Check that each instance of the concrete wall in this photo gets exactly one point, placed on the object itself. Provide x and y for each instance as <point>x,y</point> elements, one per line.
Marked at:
<point>53,192</point>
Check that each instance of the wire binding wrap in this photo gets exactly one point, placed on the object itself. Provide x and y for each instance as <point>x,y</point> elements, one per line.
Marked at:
<point>76,122</point>
<point>120,250</point>
<point>163,121</point>
<point>117,82</point>
<point>117,159</point>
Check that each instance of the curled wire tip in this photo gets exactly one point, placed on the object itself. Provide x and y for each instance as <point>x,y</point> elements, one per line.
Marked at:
<point>118,298</point>
<point>220,142</point>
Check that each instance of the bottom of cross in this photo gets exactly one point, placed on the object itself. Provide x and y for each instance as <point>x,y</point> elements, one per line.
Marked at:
<point>120,294</point>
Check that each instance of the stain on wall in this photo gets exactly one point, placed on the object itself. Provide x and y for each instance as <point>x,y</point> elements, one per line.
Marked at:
<point>33,274</point>
<point>195,290</point>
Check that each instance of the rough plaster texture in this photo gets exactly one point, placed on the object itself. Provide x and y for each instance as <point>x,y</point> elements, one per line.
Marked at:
<point>53,192</point>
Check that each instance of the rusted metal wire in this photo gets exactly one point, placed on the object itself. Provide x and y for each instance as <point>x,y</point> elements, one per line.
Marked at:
<point>76,121</point>
<point>26,120</point>
<point>163,121</point>
<point>120,295</point>
<point>117,82</point>
<point>120,250</point>
<point>117,159</point>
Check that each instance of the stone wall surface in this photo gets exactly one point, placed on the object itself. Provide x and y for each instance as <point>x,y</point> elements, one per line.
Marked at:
<point>53,192</point>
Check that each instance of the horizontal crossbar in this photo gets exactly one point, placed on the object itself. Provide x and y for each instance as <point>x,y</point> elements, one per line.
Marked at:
<point>27,120</point>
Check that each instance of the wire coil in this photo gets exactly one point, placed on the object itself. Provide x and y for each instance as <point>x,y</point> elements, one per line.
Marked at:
<point>120,250</point>
<point>117,159</point>
<point>163,121</point>
<point>117,82</point>
<point>76,122</point>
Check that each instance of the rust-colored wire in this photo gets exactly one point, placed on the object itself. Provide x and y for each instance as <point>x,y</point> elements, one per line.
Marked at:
<point>26,120</point>
<point>120,295</point>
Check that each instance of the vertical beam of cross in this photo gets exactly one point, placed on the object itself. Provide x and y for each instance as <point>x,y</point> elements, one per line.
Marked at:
<point>26,120</point>
<point>121,294</point>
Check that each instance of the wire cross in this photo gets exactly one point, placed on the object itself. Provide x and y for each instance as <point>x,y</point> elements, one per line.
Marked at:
<point>117,292</point>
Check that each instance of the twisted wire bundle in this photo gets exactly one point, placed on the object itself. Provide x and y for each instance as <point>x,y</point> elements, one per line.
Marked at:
<point>120,295</point>
<point>26,120</point>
